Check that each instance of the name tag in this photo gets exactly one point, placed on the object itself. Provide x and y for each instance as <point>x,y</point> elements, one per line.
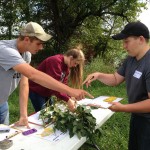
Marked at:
<point>137,74</point>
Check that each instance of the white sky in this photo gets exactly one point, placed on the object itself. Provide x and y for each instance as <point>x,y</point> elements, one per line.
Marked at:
<point>145,16</point>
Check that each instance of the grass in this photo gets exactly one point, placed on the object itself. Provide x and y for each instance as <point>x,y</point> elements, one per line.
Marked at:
<point>115,130</point>
<point>14,107</point>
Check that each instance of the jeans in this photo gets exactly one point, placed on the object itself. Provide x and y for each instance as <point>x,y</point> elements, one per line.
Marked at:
<point>139,137</point>
<point>38,101</point>
<point>4,113</point>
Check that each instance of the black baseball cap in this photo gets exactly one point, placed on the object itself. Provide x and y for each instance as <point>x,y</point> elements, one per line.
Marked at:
<point>133,29</point>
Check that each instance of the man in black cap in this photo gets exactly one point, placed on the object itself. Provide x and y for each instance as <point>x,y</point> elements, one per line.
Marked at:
<point>135,71</point>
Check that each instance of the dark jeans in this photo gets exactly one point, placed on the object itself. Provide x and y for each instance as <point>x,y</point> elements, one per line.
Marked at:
<point>139,137</point>
<point>38,101</point>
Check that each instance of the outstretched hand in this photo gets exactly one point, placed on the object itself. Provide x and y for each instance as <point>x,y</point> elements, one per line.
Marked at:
<point>79,94</point>
<point>90,78</point>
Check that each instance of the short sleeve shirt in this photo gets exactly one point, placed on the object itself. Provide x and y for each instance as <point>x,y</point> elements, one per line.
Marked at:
<point>137,77</point>
<point>10,57</point>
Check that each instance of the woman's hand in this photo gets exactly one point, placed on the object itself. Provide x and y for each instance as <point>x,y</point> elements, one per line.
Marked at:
<point>71,104</point>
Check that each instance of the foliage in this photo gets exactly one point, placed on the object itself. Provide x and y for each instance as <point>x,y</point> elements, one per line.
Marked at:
<point>95,31</point>
<point>71,22</point>
<point>98,64</point>
<point>80,122</point>
<point>88,20</point>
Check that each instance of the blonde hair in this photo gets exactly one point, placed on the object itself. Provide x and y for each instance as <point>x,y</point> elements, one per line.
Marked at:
<point>76,73</point>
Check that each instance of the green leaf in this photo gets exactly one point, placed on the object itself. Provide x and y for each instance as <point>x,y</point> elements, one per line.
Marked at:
<point>62,121</point>
<point>79,135</point>
<point>87,111</point>
<point>74,129</point>
<point>81,122</point>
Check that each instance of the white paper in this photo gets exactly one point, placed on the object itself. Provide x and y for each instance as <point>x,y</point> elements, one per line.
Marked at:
<point>98,101</point>
<point>50,136</point>
<point>35,119</point>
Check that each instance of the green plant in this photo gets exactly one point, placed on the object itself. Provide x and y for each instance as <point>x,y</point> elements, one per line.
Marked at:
<point>80,122</point>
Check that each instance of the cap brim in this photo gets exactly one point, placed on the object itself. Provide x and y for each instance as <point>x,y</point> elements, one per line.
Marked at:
<point>44,37</point>
<point>119,36</point>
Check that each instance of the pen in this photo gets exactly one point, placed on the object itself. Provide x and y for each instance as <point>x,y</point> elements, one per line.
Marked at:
<point>90,79</point>
<point>12,135</point>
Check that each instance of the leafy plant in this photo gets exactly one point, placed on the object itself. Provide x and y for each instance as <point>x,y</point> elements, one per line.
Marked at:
<point>80,122</point>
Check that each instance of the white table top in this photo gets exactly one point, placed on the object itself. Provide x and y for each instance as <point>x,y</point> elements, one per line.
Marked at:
<point>31,142</point>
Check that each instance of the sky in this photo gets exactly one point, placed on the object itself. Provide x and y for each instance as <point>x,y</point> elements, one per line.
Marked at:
<point>145,16</point>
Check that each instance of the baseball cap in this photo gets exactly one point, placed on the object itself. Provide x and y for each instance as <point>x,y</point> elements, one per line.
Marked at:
<point>33,29</point>
<point>133,29</point>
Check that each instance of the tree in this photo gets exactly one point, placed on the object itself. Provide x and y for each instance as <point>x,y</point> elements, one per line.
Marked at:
<point>8,17</point>
<point>65,16</point>
<point>88,21</point>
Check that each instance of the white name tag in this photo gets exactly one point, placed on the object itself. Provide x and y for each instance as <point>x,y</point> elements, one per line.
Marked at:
<point>137,74</point>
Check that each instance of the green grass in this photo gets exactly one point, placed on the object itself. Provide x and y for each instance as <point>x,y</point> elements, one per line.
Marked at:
<point>115,130</point>
<point>14,107</point>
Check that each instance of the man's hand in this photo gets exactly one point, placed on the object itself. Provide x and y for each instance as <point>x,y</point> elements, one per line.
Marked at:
<point>23,121</point>
<point>116,107</point>
<point>79,94</point>
<point>90,78</point>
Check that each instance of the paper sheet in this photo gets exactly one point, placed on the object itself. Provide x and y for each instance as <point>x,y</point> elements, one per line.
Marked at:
<point>35,119</point>
<point>49,134</point>
<point>98,101</point>
<point>46,133</point>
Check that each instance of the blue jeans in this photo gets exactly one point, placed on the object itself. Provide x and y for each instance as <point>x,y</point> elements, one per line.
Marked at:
<point>139,137</point>
<point>4,113</point>
<point>38,101</point>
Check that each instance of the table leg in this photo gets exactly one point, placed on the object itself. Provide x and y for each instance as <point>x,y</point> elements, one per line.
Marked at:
<point>93,145</point>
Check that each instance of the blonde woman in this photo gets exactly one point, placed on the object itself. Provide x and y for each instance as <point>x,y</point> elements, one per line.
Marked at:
<point>65,68</point>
